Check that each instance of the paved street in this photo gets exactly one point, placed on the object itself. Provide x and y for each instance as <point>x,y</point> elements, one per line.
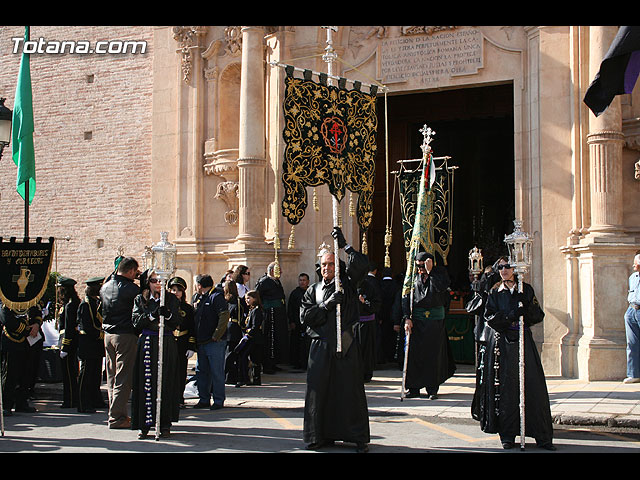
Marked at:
<point>268,418</point>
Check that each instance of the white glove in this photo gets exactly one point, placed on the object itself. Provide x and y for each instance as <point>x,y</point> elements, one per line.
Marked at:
<point>63,354</point>
<point>190,353</point>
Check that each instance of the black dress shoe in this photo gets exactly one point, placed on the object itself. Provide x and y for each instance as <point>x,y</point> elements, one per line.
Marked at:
<point>362,447</point>
<point>412,394</point>
<point>201,405</point>
<point>26,409</point>
<point>143,434</point>
<point>215,406</point>
<point>507,445</point>
<point>319,445</point>
<point>547,446</point>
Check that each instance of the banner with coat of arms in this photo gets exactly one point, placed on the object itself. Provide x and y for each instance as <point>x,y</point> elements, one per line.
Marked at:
<point>24,271</point>
<point>330,137</point>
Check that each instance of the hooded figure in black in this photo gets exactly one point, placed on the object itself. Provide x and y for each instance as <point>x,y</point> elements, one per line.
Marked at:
<point>335,402</point>
<point>430,361</point>
<point>146,318</point>
<point>496,402</point>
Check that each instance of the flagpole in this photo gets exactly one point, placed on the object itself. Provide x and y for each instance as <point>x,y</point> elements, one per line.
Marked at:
<point>26,184</point>
<point>329,57</point>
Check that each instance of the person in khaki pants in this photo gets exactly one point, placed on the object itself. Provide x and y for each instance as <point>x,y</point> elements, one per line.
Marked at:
<point>120,338</point>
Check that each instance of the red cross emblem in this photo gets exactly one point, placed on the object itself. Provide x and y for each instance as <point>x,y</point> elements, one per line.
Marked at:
<point>334,133</point>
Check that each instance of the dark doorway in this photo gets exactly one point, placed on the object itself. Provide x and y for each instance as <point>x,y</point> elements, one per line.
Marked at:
<point>474,126</point>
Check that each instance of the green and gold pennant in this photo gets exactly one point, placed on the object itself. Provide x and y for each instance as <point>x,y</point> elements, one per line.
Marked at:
<point>330,138</point>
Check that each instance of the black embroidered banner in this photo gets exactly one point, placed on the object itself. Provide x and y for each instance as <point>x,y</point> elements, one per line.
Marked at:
<point>24,271</point>
<point>438,203</point>
<point>330,137</point>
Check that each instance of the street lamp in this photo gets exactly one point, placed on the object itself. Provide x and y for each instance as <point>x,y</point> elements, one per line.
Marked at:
<point>161,257</point>
<point>519,245</point>
<point>6,117</point>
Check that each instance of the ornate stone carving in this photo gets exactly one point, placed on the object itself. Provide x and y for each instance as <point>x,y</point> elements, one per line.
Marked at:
<point>187,38</point>
<point>233,41</point>
<point>417,30</point>
<point>228,193</point>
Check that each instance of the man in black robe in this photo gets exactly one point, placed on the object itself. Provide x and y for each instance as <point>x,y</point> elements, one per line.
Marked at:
<point>335,401</point>
<point>275,327</point>
<point>430,361</point>
<point>370,299</point>
<point>387,336</point>
<point>299,345</point>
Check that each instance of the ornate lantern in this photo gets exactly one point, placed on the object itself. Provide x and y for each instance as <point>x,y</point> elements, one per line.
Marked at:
<point>475,261</point>
<point>163,257</point>
<point>519,244</point>
<point>147,258</point>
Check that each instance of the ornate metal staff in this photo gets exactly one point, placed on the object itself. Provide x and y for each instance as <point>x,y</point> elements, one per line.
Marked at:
<point>329,57</point>
<point>163,261</point>
<point>519,244</point>
<point>475,269</point>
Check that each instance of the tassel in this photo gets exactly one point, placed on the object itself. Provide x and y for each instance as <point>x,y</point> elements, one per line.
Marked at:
<point>352,208</point>
<point>292,238</point>
<point>365,248</point>
<point>316,207</point>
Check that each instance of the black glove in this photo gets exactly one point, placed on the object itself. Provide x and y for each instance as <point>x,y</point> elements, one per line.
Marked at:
<point>332,301</point>
<point>163,311</point>
<point>336,233</point>
<point>514,315</point>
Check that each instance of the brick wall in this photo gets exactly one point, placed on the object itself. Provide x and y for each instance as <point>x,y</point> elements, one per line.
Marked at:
<point>93,148</point>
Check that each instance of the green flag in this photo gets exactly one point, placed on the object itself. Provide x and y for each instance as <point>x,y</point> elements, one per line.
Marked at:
<point>421,234</point>
<point>22,129</point>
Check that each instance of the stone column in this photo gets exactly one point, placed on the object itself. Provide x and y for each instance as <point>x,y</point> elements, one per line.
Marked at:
<point>251,155</point>
<point>604,254</point>
<point>605,140</point>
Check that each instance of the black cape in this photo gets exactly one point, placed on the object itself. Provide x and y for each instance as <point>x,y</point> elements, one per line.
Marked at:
<point>335,402</point>
<point>496,402</point>
<point>430,361</point>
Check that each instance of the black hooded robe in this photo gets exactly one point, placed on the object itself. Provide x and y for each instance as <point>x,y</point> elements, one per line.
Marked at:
<point>430,361</point>
<point>335,402</point>
<point>496,401</point>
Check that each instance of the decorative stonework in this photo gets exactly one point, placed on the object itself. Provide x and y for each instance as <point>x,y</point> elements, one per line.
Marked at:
<point>188,38</point>
<point>417,30</point>
<point>228,193</point>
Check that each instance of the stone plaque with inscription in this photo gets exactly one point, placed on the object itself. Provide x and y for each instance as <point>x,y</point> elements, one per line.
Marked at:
<point>430,60</point>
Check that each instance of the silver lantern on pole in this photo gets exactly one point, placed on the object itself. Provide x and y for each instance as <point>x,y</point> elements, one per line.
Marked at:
<point>161,257</point>
<point>519,244</point>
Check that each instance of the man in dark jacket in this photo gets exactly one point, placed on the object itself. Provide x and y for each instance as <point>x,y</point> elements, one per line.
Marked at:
<point>211,320</point>
<point>120,338</point>
<point>335,402</point>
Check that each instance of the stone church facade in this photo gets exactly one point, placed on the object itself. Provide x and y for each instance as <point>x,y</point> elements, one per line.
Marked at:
<point>187,138</point>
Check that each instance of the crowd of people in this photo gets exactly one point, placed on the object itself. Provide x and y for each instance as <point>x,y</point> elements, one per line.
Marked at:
<point>239,333</point>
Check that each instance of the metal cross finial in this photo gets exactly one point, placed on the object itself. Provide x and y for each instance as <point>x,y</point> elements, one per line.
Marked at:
<point>330,54</point>
<point>427,133</point>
